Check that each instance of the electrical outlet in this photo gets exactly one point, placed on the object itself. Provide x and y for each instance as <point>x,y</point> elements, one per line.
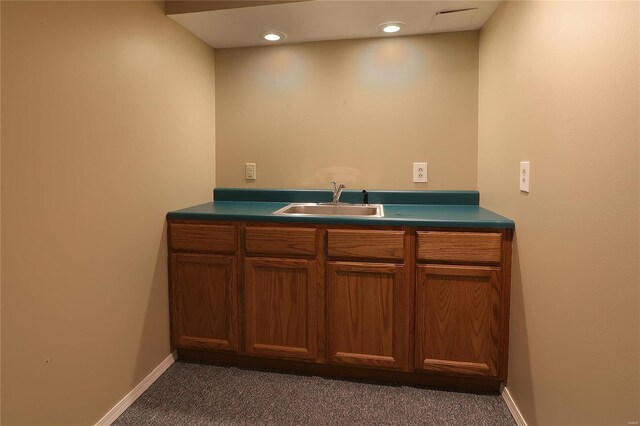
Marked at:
<point>525,176</point>
<point>419,172</point>
<point>250,171</point>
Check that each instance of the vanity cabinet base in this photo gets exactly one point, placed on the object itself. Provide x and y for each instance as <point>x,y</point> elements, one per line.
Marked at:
<point>419,306</point>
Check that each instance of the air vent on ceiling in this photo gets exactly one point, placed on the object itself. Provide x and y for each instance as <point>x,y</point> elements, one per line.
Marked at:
<point>450,20</point>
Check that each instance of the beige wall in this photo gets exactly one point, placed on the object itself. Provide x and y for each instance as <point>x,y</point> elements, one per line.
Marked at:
<point>359,111</point>
<point>0,228</point>
<point>107,123</point>
<point>559,86</point>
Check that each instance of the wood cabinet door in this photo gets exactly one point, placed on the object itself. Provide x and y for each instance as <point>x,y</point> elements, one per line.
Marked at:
<point>365,314</point>
<point>204,305</point>
<point>457,319</point>
<point>280,307</point>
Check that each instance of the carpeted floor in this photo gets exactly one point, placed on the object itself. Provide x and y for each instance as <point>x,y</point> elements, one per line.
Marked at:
<point>192,394</point>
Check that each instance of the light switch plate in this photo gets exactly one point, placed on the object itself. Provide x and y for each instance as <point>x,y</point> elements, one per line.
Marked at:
<point>250,171</point>
<point>525,176</point>
<point>419,172</point>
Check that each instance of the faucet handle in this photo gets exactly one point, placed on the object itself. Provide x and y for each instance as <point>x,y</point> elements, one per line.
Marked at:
<point>365,197</point>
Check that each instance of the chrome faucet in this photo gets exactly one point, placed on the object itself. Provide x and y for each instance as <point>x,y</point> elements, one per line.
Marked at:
<point>337,191</point>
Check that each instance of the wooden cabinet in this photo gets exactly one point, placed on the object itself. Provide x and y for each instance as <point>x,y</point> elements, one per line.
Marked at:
<point>204,301</point>
<point>281,241</point>
<point>461,321</point>
<point>281,292</point>
<point>368,301</point>
<point>203,237</point>
<point>365,244</point>
<point>457,319</point>
<point>280,307</point>
<point>461,247</point>
<point>365,314</point>
<point>417,305</point>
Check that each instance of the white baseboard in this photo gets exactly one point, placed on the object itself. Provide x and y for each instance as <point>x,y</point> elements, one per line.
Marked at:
<point>513,408</point>
<point>129,398</point>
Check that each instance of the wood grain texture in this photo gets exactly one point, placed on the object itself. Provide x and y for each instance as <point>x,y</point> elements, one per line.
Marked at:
<point>408,295</point>
<point>457,319</point>
<point>280,307</point>
<point>204,301</point>
<point>365,314</point>
<point>455,349</point>
<point>241,287</point>
<point>321,306</point>
<point>365,244</point>
<point>203,237</point>
<point>273,241</point>
<point>436,246</point>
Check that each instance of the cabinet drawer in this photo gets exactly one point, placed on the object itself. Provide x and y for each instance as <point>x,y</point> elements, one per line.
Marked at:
<point>483,247</point>
<point>203,237</point>
<point>366,244</point>
<point>281,241</point>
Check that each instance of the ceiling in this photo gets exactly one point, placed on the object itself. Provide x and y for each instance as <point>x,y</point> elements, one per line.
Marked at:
<point>316,20</point>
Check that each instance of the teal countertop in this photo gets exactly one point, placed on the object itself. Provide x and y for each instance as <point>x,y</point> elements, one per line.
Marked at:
<point>425,208</point>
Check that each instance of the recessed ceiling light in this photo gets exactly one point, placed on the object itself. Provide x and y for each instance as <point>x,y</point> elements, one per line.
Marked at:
<point>273,36</point>
<point>391,27</point>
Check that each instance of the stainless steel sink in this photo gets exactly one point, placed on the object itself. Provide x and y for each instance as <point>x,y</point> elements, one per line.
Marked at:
<point>319,209</point>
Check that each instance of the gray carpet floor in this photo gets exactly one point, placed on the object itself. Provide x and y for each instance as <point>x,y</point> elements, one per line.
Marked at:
<point>193,394</point>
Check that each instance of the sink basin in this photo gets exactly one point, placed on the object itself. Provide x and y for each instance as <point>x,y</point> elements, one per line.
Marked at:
<point>315,209</point>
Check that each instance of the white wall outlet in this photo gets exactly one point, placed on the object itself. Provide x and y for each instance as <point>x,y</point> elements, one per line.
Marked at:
<point>419,172</point>
<point>250,171</point>
<point>525,176</point>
